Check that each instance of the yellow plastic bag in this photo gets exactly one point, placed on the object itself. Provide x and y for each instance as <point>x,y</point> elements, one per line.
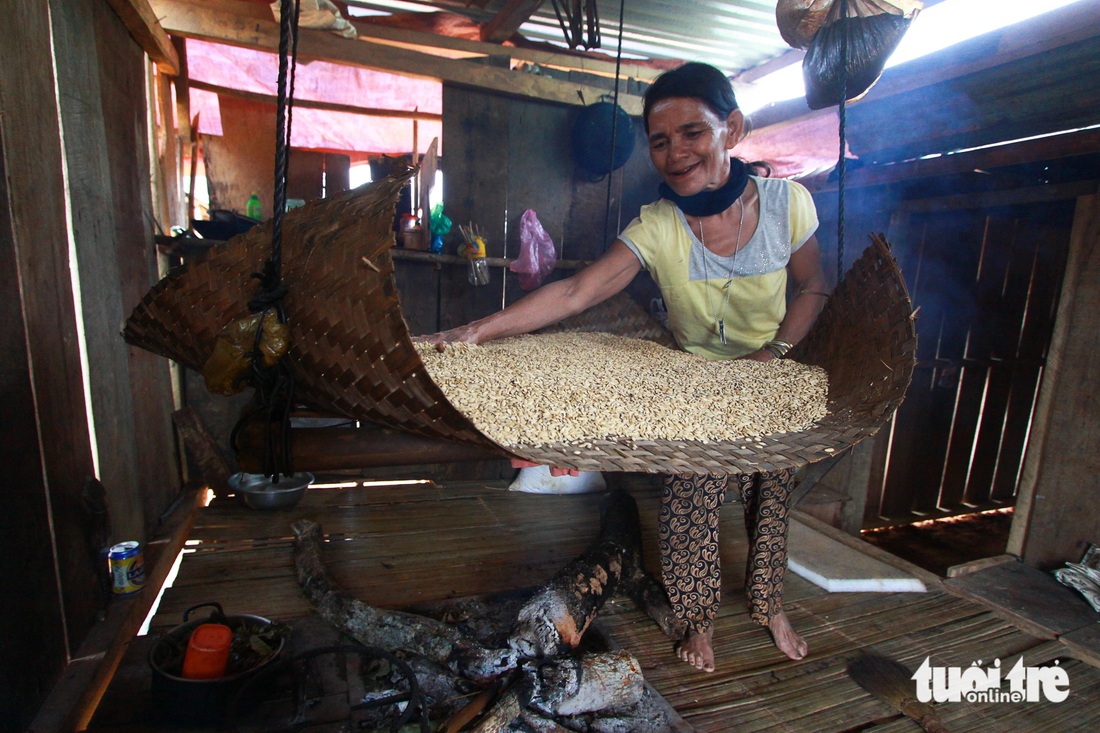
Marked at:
<point>226,370</point>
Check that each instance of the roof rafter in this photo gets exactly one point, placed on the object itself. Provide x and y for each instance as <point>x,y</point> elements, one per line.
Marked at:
<point>219,21</point>
<point>505,23</point>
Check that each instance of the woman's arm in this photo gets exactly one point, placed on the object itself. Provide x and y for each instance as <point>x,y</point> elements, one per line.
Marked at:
<point>554,301</point>
<point>811,292</point>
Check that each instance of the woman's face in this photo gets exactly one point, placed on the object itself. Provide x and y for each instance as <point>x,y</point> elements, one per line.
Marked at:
<point>689,144</point>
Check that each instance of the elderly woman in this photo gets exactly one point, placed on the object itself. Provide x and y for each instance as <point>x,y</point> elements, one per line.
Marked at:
<point>721,244</point>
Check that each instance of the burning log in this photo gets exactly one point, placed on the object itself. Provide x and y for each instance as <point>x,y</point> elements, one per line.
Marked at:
<point>551,623</point>
<point>501,716</point>
<point>638,584</point>
<point>371,626</point>
<point>556,617</point>
<point>585,684</point>
<point>565,687</point>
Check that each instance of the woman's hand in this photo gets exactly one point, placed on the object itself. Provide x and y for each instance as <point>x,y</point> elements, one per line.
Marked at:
<point>760,355</point>
<point>461,335</point>
<point>518,463</point>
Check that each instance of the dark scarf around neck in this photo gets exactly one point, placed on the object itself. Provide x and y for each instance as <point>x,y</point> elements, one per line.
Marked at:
<point>709,203</point>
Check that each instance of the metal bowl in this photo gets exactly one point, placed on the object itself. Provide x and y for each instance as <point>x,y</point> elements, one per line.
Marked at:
<point>258,491</point>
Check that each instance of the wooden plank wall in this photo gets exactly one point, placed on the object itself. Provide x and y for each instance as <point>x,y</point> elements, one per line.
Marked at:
<point>145,382</point>
<point>1058,518</point>
<point>502,156</point>
<point>28,663</point>
<point>241,161</point>
<point>52,414</point>
<point>90,142</point>
<point>104,124</point>
<point>986,280</point>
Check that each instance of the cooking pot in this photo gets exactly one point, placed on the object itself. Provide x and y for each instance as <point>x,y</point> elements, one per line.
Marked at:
<point>200,701</point>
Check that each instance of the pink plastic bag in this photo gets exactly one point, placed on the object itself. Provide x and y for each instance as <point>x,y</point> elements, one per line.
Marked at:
<point>536,253</point>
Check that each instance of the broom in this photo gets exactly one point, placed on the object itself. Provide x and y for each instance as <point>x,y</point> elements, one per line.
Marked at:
<point>892,683</point>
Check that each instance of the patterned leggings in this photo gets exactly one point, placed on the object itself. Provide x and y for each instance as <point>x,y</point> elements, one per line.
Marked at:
<point>687,536</point>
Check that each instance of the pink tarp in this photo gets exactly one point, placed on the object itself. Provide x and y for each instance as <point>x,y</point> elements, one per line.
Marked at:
<point>258,72</point>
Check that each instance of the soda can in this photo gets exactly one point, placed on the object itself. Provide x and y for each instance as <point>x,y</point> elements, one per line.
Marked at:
<point>127,568</point>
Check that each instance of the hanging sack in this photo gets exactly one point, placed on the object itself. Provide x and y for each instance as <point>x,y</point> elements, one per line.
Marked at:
<point>873,29</point>
<point>799,20</point>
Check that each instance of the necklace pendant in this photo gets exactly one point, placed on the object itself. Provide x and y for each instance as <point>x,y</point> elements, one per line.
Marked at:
<point>722,331</point>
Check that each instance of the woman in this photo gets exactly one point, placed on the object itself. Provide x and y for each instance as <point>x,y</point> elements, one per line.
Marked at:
<point>720,245</point>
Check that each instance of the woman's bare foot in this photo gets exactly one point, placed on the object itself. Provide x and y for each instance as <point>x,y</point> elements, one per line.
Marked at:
<point>696,650</point>
<point>786,638</point>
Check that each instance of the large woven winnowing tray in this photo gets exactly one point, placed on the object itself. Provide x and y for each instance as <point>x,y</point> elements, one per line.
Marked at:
<point>351,352</point>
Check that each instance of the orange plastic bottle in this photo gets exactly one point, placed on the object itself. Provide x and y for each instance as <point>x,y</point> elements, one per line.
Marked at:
<point>207,652</point>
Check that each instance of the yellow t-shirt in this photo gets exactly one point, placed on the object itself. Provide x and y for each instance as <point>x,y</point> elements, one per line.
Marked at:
<point>693,288</point>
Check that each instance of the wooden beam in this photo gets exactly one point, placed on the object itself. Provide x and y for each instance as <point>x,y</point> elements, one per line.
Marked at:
<point>1037,193</point>
<point>564,59</point>
<point>142,23</point>
<point>219,22</point>
<point>1051,147</point>
<point>505,23</point>
<point>313,104</point>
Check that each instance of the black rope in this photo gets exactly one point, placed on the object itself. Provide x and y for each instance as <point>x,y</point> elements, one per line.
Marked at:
<point>575,18</point>
<point>288,56</point>
<point>842,164</point>
<point>614,125</point>
<point>274,385</point>
<point>567,31</point>
<point>592,16</point>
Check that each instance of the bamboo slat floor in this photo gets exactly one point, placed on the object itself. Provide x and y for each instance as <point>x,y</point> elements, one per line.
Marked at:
<point>399,546</point>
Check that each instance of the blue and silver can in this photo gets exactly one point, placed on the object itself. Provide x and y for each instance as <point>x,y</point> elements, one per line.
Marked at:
<point>127,568</point>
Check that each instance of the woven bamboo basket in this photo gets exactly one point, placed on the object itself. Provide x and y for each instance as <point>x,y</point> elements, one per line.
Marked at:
<point>351,352</point>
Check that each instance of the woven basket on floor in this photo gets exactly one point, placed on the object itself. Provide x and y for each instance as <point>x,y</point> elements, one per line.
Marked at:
<point>351,351</point>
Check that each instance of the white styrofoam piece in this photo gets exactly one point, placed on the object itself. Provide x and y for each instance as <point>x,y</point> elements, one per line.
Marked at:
<point>836,567</point>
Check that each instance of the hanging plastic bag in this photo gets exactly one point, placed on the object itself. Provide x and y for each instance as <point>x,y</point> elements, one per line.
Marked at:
<point>226,370</point>
<point>536,253</point>
<point>799,20</point>
<point>440,225</point>
<point>873,29</point>
<point>537,480</point>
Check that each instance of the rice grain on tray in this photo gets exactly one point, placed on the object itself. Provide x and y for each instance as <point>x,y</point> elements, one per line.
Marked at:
<point>573,387</point>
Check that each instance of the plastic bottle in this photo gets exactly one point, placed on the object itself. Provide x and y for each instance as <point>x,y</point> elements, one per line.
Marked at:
<point>254,209</point>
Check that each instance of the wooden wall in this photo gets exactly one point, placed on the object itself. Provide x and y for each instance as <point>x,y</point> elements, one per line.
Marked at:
<point>1057,515</point>
<point>241,161</point>
<point>90,141</point>
<point>988,282</point>
<point>502,156</point>
<point>985,271</point>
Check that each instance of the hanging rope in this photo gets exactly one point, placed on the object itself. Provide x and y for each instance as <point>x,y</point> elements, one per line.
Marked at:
<point>575,19</point>
<point>614,126</point>
<point>842,164</point>
<point>274,385</point>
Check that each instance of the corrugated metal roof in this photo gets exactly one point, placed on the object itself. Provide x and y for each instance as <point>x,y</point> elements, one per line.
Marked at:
<point>734,35</point>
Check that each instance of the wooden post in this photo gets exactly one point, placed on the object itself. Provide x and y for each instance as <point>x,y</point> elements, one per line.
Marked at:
<point>1056,511</point>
